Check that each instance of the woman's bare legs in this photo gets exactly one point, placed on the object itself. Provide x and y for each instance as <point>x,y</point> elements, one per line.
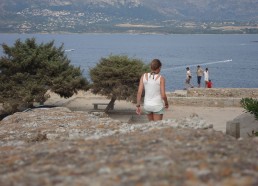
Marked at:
<point>155,117</point>
<point>150,117</point>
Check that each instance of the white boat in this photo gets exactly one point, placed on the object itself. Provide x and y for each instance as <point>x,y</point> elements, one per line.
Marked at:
<point>69,50</point>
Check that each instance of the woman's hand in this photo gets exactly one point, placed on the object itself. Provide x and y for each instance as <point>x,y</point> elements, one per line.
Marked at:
<point>138,110</point>
<point>166,106</point>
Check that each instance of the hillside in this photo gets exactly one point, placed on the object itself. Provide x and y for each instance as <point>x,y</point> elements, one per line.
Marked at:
<point>167,16</point>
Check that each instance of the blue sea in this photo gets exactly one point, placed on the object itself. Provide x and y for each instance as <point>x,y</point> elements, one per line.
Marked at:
<point>232,59</point>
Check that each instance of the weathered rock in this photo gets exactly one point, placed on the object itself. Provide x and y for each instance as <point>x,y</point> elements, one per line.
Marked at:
<point>223,92</point>
<point>212,97</point>
<point>61,123</point>
<point>59,147</point>
<point>242,126</point>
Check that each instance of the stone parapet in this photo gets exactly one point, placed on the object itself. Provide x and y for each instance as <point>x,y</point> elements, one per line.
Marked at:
<point>205,102</point>
<point>223,92</point>
<point>56,146</point>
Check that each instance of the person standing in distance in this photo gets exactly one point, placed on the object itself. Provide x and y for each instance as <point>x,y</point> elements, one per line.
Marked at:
<point>206,77</point>
<point>209,84</point>
<point>188,79</point>
<point>199,73</point>
<point>155,99</point>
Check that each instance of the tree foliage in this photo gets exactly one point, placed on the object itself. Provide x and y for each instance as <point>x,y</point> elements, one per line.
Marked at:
<point>117,77</point>
<point>250,105</point>
<point>28,70</point>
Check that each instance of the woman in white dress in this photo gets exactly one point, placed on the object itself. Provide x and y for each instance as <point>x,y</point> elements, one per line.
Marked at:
<point>155,99</point>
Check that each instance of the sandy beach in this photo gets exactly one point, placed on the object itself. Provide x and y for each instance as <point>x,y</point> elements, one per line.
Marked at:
<point>125,110</point>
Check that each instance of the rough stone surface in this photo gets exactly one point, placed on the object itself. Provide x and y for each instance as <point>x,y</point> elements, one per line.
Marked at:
<point>211,97</point>
<point>59,147</point>
<point>223,92</point>
<point>205,101</point>
<point>242,126</point>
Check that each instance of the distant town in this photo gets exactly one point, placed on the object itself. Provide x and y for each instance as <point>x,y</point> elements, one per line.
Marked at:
<point>49,21</point>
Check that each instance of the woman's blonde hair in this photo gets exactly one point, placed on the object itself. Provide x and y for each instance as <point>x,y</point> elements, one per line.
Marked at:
<point>155,64</point>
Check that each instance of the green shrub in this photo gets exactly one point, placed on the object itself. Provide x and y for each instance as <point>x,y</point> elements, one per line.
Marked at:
<point>250,105</point>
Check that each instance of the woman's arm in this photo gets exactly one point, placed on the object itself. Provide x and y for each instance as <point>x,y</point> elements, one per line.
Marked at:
<point>139,96</point>
<point>163,91</point>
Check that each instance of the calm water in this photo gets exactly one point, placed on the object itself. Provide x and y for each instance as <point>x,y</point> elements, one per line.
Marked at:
<point>232,59</point>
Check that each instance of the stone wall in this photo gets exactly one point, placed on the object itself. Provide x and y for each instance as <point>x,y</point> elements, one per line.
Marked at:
<point>212,97</point>
<point>242,126</point>
<point>223,92</point>
<point>204,101</point>
<point>55,146</point>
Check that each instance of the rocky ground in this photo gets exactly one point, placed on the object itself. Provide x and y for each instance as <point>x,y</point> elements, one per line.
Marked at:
<point>55,146</point>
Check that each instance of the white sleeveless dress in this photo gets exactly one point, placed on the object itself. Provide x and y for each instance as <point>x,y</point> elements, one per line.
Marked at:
<point>152,100</point>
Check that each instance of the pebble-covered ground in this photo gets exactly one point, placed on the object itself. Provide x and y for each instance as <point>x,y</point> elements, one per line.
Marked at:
<point>59,147</point>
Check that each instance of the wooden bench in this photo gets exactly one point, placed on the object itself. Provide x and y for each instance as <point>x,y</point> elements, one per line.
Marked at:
<point>96,105</point>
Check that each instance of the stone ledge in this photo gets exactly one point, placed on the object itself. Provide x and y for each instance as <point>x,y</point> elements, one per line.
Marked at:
<point>211,97</point>
<point>205,101</point>
<point>223,92</point>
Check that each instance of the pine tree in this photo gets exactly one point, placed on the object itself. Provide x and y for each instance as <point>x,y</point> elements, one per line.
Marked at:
<point>28,70</point>
<point>117,77</point>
